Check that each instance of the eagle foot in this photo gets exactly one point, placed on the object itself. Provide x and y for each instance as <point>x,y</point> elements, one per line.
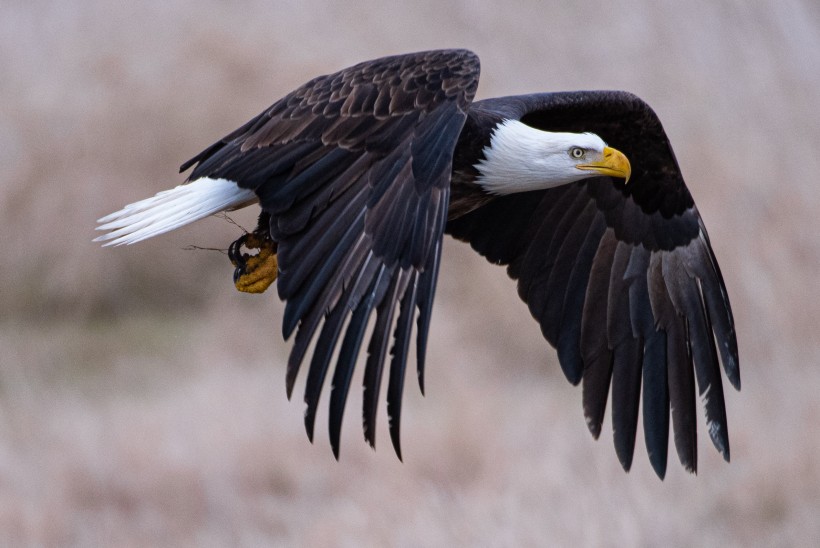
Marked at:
<point>254,273</point>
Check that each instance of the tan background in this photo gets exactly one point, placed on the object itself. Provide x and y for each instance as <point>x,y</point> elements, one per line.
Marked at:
<point>142,398</point>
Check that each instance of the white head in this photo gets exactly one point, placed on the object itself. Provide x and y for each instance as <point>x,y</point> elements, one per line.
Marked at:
<point>520,158</point>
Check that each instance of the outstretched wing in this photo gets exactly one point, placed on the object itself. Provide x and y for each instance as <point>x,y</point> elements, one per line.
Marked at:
<point>354,169</point>
<point>621,278</point>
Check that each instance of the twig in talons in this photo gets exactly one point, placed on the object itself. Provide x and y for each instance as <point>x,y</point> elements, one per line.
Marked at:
<point>198,248</point>
<point>224,215</point>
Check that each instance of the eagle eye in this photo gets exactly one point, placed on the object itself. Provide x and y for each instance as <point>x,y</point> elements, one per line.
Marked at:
<point>577,152</point>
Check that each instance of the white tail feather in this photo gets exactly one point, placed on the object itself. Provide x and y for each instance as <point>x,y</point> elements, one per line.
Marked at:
<point>171,209</point>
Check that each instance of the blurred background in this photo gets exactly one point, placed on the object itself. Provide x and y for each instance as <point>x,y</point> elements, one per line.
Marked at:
<point>142,398</point>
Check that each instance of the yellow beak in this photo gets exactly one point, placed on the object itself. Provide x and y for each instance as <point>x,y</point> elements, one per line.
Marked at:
<point>613,164</point>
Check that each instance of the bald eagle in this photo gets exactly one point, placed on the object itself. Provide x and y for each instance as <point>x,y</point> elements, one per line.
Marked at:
<point>360,173</point>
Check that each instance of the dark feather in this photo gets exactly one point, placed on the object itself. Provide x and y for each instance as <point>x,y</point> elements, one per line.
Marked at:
<point>320,362</point>
<point>398,364</point>
<point>540,257</point>
<point>427,291</point>
<point>705,267</point>
<point>655,389</point>
<point>300,302</point>
<point>626,386</point>
<point>679,366</point>
<point>320,306</point>
<point>656,401</point>
<point>376,351</point>
<point>349,352</point>
<point>686,297</point>
<point>596,352</point>
<point>568,285</point>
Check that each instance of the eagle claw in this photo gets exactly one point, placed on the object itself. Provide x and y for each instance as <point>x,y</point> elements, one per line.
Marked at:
<point>254,273</point>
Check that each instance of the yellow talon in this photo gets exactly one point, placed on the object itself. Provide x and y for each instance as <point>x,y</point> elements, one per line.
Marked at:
<point>260,273</point>
<point>254,273</point>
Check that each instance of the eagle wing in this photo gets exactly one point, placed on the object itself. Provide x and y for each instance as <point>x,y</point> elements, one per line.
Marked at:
<point>621,277</point>
<point>354,169</point>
